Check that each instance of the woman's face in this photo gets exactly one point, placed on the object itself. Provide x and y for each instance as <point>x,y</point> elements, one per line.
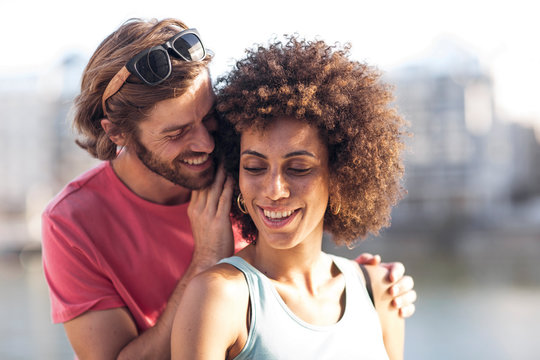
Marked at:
<point>284,181</point>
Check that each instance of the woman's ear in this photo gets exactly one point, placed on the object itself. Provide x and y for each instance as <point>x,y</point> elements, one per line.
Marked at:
<point>110,129</point>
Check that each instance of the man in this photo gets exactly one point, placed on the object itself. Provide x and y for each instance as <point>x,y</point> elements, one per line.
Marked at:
<point>121,241</point>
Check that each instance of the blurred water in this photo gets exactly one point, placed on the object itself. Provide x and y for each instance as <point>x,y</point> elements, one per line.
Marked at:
<point>26,331</point>
<point>474,323</point>
<point>455,319</point>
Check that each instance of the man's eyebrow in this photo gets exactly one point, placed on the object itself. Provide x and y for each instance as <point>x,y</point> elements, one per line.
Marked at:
<point>291,154</point>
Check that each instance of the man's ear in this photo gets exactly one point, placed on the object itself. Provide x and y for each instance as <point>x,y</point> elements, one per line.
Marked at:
<point>116,137</point>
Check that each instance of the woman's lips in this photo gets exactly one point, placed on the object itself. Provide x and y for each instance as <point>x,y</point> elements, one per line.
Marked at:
<point>275,219</point>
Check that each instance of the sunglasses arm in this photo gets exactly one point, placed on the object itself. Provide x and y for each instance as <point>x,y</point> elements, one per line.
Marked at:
<point>114,85</point>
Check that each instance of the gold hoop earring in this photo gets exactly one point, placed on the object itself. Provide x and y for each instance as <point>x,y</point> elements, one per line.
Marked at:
<point>241,204</point>
<point>333,208</point>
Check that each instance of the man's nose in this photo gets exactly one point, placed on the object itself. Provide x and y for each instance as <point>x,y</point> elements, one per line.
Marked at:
<point>202,141</point>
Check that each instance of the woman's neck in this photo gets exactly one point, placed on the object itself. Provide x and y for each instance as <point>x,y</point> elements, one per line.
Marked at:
<point>302,263</point>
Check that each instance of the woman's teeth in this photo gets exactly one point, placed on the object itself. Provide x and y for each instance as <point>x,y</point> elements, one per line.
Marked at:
<point>277,214</point>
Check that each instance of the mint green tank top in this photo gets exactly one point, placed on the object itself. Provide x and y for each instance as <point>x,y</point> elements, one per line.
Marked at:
<point>276,333</point>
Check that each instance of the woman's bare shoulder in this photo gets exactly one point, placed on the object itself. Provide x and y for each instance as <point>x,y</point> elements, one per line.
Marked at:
<point>221,280</point>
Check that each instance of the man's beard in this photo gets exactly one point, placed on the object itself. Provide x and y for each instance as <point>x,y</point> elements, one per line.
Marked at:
<point>173,171</point>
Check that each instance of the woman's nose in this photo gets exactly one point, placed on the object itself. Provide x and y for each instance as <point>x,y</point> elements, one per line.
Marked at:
<point>276,186</point>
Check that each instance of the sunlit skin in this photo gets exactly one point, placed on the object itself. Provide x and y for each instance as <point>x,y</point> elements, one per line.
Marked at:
<point>168,159</point>
<point>176,132</point>
<point>284,182</point>
<point>284,179</point>
<point>173,149</point>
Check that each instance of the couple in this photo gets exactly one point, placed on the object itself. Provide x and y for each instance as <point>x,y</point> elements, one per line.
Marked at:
<point>312,145</point>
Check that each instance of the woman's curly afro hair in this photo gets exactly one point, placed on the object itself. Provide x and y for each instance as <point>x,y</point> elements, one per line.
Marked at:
<point>352,110</point>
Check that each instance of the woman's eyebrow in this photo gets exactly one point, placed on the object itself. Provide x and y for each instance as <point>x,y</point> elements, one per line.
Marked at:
<point>254,153</point>
<point>299,153</point>
<point>291,154</point>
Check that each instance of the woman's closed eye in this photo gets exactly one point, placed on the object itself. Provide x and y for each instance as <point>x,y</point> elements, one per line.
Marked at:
<point>254,169</point>
<point>299,171</point>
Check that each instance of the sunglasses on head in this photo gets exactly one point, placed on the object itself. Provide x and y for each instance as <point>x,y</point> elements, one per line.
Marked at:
<point>153,66</point>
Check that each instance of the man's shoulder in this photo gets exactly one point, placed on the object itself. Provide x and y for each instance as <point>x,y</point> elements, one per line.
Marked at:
<point>79,193</point>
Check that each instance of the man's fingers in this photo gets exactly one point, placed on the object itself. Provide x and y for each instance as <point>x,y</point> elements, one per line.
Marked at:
<point>407,311</point>
<point>404,285</point>
<point>224,205</point>
<point>220,177</point>
<point>194,196</point>
<point>197,202</point>
<point>396,270</point>
<point>405,304</point>
<point>404,300</point>
<point>214,192</point>
<point>368,259</point>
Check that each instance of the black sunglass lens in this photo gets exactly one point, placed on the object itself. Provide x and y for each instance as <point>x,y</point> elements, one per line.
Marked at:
<point>159,63</point>
<point>154,67</point>
<point>190,47</point>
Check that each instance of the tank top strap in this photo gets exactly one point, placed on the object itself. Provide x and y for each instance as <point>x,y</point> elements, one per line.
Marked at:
<point>355,285</point>
<point>257,292</point>
<point>251,274</point>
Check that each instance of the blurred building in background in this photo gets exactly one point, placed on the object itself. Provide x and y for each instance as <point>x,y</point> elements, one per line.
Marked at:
<point>36,141</point>
<point>472,177</point>
<point>467,168</point>
<point>468,229</point>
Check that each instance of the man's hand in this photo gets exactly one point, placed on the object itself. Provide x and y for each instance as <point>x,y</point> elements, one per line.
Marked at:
<point>208,213</point>
<point>402,285</point>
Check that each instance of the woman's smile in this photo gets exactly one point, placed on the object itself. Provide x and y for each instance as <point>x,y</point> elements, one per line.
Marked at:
<point>284,181</point>
<point>277,218</point>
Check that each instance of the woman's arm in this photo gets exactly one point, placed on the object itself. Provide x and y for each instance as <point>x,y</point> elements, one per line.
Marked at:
<point>393,326</point>
<point>210,322</point>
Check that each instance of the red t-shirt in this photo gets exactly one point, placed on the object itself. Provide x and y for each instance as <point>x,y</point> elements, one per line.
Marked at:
<point>105,247</point>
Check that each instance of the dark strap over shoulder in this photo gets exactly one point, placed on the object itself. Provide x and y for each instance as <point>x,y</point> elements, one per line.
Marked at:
<point>368,283</point>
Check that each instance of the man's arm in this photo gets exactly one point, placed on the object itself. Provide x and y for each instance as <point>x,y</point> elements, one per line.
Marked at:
<point>114,332</point>
<point>399,286</point>
<point>392,325</point>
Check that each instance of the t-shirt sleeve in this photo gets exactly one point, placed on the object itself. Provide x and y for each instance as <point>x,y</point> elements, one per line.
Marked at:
<point>76,282</point>
<point>239,242</point>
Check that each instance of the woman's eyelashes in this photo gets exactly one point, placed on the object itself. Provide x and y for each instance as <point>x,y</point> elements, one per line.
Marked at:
<point>298,171</point>
<point>254,170</point>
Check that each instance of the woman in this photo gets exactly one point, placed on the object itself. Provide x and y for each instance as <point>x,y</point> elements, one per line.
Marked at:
<point>314,147</point>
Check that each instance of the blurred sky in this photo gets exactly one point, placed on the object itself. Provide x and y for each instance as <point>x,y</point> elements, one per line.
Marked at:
<point>503,34</point>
